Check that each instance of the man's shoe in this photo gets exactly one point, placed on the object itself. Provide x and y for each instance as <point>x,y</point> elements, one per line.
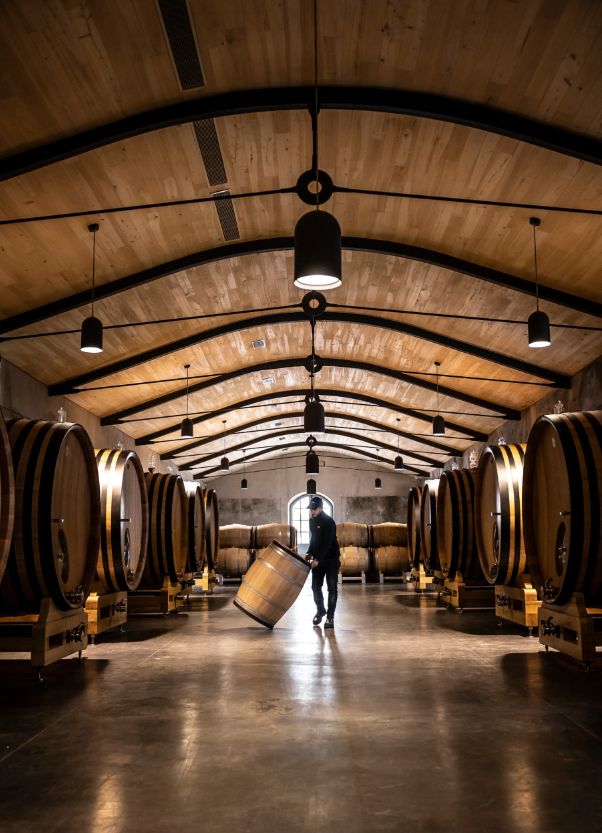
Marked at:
<point>318,617</point>
<point>329,623</point>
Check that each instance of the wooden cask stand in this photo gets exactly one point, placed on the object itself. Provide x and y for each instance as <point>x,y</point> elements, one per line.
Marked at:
<point>518,604</point>
<point>572,629</point>
<point>105,610</point>
<point>420,580</point>
<point>207,581</point>
<point>456,593</point>
<point>361,578</point>
<point>165,600</point>
<point>48,636</point>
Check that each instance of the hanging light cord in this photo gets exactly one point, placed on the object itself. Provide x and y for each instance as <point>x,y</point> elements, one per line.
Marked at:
<point>315,119</point>
<point>535,255</point>
<point>93,264</point>
<point>437,366</point>
<point>187,368</point>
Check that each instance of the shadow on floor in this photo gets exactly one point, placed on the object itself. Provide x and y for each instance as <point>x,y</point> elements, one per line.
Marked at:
<point>200,603</point>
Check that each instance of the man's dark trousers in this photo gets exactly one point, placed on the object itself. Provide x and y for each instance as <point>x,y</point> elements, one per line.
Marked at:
<point>330,569</point>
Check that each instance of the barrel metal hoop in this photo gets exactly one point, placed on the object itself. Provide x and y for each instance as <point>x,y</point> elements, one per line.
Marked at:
<point>297,562</point>
<point>288,578</point>
<point>254,614</point>
<point>265,598</point>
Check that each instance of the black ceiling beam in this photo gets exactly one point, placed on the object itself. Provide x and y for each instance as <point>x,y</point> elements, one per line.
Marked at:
<point>375,99</point>
<point>370,423</point>
<point>336,316</point>
<point>200,475</point>
<point>117,417</point>
<point>281,244</point>
<point>322,392</point>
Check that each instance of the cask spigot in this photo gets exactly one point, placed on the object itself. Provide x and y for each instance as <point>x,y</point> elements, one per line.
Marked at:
<point>502,601</point>
<point>548,628</point>
<point>547,590</point>
<point>120,607</point>
<point>77,634</point>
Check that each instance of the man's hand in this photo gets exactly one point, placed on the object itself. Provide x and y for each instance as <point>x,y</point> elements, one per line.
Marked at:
<point>314,563</point>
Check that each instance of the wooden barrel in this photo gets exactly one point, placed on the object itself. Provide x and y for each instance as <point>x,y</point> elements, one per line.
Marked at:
<point>391,560</point>
<point>414,532</point>
<point>355,560</point>
<point>456,536</point>
<point>353,535</point>
<point>389,535</point>
<point>195,560</point>
<point>562,506</point>
<point>211,527</point>
<point>233,561</point>
<point>428,525</point>
<point>57,516</point>
<point>283,533</point>
<point>168,540</point>
<point>7,496</point>
<point>272,584</point>
<point>123,519</point>
<point>498,513</point>
<point>237,535</point>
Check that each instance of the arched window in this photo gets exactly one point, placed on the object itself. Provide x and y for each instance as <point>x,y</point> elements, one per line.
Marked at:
<point>298,516</point>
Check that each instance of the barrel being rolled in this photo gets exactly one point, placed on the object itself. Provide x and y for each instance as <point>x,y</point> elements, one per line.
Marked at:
<point>57,517</point>
<point>7,496</point>
<point>211,527</point>
<point>562,506</point>
<point>167,552</point>
<point>233,561</point>
<point>272,584</point>
<point>196,528</point>
<point>414,532</point>
<point>123,519</point>
<point>498,514</point>
<point>389,535</point>
<point>283,533</point>
<point>428,525</point>
<point>456,536</point>
<point>237,535</point>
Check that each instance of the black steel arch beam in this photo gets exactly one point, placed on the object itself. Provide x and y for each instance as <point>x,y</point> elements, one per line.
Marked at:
<point>322,392</point>
<point>360,451</point>
<point>336,316</point>
<point>279,364</point>
<point>282,244</point>
<point>369,423</point>
<point>375,99</point>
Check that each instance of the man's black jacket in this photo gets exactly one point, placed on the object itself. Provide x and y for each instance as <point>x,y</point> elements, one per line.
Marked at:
<point>323,545</point>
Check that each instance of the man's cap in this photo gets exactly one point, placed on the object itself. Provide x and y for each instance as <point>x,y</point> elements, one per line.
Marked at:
<point>315,503</point>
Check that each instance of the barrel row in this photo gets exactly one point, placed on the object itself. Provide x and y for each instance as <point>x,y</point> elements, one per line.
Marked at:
<point>238,545</point>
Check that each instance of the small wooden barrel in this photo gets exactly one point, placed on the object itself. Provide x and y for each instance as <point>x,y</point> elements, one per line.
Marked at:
<point>391,560</point>
<point>353,535</point>
<point>414,531</point>
<point>123,519</point>
<point>456,536</point>
<point>196,528</point>
<point>168,540</point>
<point>428,525</point>
<point>211,527</point>
<point>284,534</point>
<point>57,517</point>
<point>272,584</point>
<point>7,496</point>
<point>233,561</point>
<point>237,535</point>
<point>389,535</point>
<point>355,560</point>
<point>498,514</point>
<point>562,506</point>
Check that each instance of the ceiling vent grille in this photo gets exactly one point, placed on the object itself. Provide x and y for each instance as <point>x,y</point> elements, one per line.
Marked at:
<point>227,217</point>
<point>206,136</point>
<point>181,41</point>
<point>259,343</point>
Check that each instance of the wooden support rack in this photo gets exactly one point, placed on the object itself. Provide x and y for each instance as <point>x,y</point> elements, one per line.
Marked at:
<point>207,581</point>
<point>361,577</point>
<point>518,604</point>
<point>403,577</point>
<point>573,629</point>
<point>166,600</point>
<point>105,611</point>
<point>420,579</point>
<point>456,593</point>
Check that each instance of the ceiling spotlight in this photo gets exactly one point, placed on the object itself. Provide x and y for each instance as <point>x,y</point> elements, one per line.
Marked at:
<point>438,421</point>
<point>311,487</point>
<point>187,428</point>
<point>91,336</point>
<point>539,324</point>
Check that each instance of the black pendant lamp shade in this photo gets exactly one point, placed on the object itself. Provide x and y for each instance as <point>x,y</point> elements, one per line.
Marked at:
<point>399,463</point>
<point>187,428</point>
<point>377,483</point>
<point>438,426</point>
<point>244,484</point>
<point>91,335</point>
<point>313,415</point>
<point>224,465</point>
<point>539,329</point>
<point>318,251</point>
<point>312,462</point>
<point>311,487</point>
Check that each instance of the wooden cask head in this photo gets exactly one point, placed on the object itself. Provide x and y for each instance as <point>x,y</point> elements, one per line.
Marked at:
<point>428,525</point>
<point>196,527</point>
<point>413,523</point>
<point>7,496</point>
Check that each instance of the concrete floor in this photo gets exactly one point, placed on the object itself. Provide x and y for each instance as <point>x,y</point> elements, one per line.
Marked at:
<point>407,718</point>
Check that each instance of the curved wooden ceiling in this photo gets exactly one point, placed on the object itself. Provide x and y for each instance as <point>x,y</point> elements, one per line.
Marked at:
<point>71,67</point>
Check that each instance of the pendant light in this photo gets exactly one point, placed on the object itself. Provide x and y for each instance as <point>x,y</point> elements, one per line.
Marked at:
<point>224,465</point>
<point>91,340</point>
<point>438,421</point>
<point>399,458</point>
<point>317,233</point>
<point>312,461</point>
<point>243,482</point>
<point>377,483</point>
<point>187,429</point>
<point>539,323</point>
<point>311,487</point>
<point>313,413</point>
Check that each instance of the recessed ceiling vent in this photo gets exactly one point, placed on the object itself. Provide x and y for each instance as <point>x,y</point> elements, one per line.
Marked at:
<point>259,343</point>
<point>227,217</point>
<point>182,43</point>
<point>206,136</point>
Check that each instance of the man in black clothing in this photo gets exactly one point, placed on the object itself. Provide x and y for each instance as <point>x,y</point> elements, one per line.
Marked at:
<point>325,557</point>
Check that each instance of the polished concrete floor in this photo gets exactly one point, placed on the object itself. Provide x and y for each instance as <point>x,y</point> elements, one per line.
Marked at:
<point>407,718</point>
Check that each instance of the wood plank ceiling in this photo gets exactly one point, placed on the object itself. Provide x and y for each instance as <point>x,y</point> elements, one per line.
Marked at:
<point>71,66</point>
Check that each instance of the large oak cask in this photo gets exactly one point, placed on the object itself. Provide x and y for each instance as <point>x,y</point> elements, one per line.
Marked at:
<point>233,561</point>
<point>428,525</point>
<point>57,516</point>
<point>211,527</point>
<point>196,528</point>
<point>353,535</point>
<point>498,513</point>
<point>414,531</point>
<point>237,535</point>
<point>272,584</point>
<point>167,551</point>
<point>7,496</point>
<point>562,506</point>
<point>389,535</point>
<point>123,519</point>
<point>391,560</point>
<point>355,561</point>
<point>283,533</point>
<point>456,537</point>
